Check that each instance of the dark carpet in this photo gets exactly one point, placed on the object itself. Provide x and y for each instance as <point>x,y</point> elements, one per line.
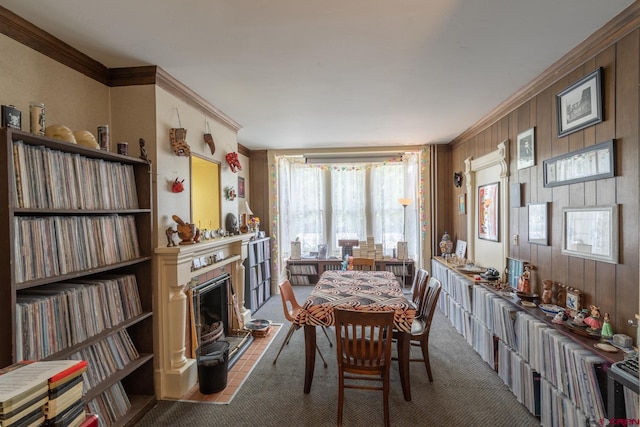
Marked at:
<point>465,390</point>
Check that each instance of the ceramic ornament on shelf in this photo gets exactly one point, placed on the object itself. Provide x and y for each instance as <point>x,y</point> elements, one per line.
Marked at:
<point>446,244</point>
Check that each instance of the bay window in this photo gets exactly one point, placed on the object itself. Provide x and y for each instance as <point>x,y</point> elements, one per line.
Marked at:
<point>321,204</point>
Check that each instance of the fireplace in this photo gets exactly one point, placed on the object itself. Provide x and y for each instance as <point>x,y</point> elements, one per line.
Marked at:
<point>212,317</point>
<point>177,269</point>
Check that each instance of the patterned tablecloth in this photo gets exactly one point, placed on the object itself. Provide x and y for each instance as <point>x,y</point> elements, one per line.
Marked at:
<point>356,290</point>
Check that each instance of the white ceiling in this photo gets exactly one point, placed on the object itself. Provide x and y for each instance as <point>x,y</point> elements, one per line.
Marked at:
<point>333,73</point>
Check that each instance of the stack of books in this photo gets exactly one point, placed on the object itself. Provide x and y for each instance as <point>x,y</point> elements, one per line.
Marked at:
<point>42,393</point>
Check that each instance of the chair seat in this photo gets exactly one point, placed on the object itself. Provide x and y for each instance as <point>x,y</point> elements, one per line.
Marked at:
<point>417,327</point>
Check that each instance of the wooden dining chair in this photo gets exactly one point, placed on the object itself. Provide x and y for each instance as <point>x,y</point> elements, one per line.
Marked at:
<point>364,353</point>
<point>421,324</point>
<point>418,285</point>
<point>291,310</point>
<point>366,264</point>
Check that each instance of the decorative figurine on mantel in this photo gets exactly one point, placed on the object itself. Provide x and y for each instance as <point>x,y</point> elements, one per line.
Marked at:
<point>594,320</point>
<point>607,330</point>
<point>578,319</point>
<point>170,232</point>
<point>186,231</point>
<point>547,293</point>
<point>560,317</point>
<point>523,281</point>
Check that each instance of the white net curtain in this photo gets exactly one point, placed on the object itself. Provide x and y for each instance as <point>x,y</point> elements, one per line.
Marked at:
<point>321,204</point>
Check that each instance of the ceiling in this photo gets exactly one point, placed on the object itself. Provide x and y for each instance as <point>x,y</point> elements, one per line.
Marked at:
<point>333,73</point>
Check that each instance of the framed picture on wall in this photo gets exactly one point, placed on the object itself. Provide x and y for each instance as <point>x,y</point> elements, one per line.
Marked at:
<point>538,223</point>
<point>241,187</point>
<point>488,212</point>
<point>462,204</point>
<point>526,149</point>
<point>580,105</point>
<point>587,164</point>
<point>591,232</point>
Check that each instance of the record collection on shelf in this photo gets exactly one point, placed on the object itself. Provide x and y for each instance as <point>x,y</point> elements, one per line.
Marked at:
<point>79,269</point>
<point>553,375</point>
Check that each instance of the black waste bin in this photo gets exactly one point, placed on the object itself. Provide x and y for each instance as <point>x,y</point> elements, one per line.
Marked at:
<point>213,360</point>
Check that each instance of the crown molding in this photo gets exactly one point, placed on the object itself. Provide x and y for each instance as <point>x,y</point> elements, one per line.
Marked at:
<point>175,87</point>
<point>244,150</point>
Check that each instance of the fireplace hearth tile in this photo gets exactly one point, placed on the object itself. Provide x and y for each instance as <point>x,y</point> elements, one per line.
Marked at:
<point>237,374</point>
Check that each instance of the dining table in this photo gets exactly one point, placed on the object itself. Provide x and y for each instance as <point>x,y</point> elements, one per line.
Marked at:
<point>357,290</point>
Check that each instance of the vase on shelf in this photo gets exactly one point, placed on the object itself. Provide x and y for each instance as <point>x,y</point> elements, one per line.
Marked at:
<point>446,244</point>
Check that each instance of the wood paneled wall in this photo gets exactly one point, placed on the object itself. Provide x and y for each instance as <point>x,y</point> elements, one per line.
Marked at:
<point>614,287</point>
<point>259,189</point>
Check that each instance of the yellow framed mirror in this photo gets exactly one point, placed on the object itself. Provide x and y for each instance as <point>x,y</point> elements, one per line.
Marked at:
<point>205,192</point>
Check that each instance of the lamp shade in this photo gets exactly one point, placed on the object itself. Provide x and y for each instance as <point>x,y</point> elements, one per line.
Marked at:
<point>247,209</point>
<point>405,202</point>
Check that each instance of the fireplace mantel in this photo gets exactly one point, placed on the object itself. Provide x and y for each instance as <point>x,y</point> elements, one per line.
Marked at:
<point>175,374</point>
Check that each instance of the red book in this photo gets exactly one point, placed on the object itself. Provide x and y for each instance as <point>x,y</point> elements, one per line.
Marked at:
<point>68,374</point>
<point>91,421</point>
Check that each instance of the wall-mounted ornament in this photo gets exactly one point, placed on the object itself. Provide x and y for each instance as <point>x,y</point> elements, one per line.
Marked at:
<point>179,144</point>
<point>230,193</point>
<point>457,179</point>
<point>208,139</point>
<point>234,162</point>
<point>177,186</point>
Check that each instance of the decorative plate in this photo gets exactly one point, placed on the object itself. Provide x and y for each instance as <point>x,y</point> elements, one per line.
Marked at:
<point>550,309</point>
<point>605,347</point>
<point>257,324</point>
<point>526,297</point>
<point>471,269</point>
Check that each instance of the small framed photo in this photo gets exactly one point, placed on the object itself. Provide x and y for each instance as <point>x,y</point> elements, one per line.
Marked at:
<point>580,105</point>
<point>462,204</point>
<point>515,194</point>
<point>572,300</point>
<point>461,249</point>
<point>526,149</point>
<point>241,187</point>
<point>538,223</point>
<point>11,117</point>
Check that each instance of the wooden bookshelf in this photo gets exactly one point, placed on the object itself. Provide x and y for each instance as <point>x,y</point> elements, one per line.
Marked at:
<point>308,271</point>
<point>257,273</point>
<point>106,197</point>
